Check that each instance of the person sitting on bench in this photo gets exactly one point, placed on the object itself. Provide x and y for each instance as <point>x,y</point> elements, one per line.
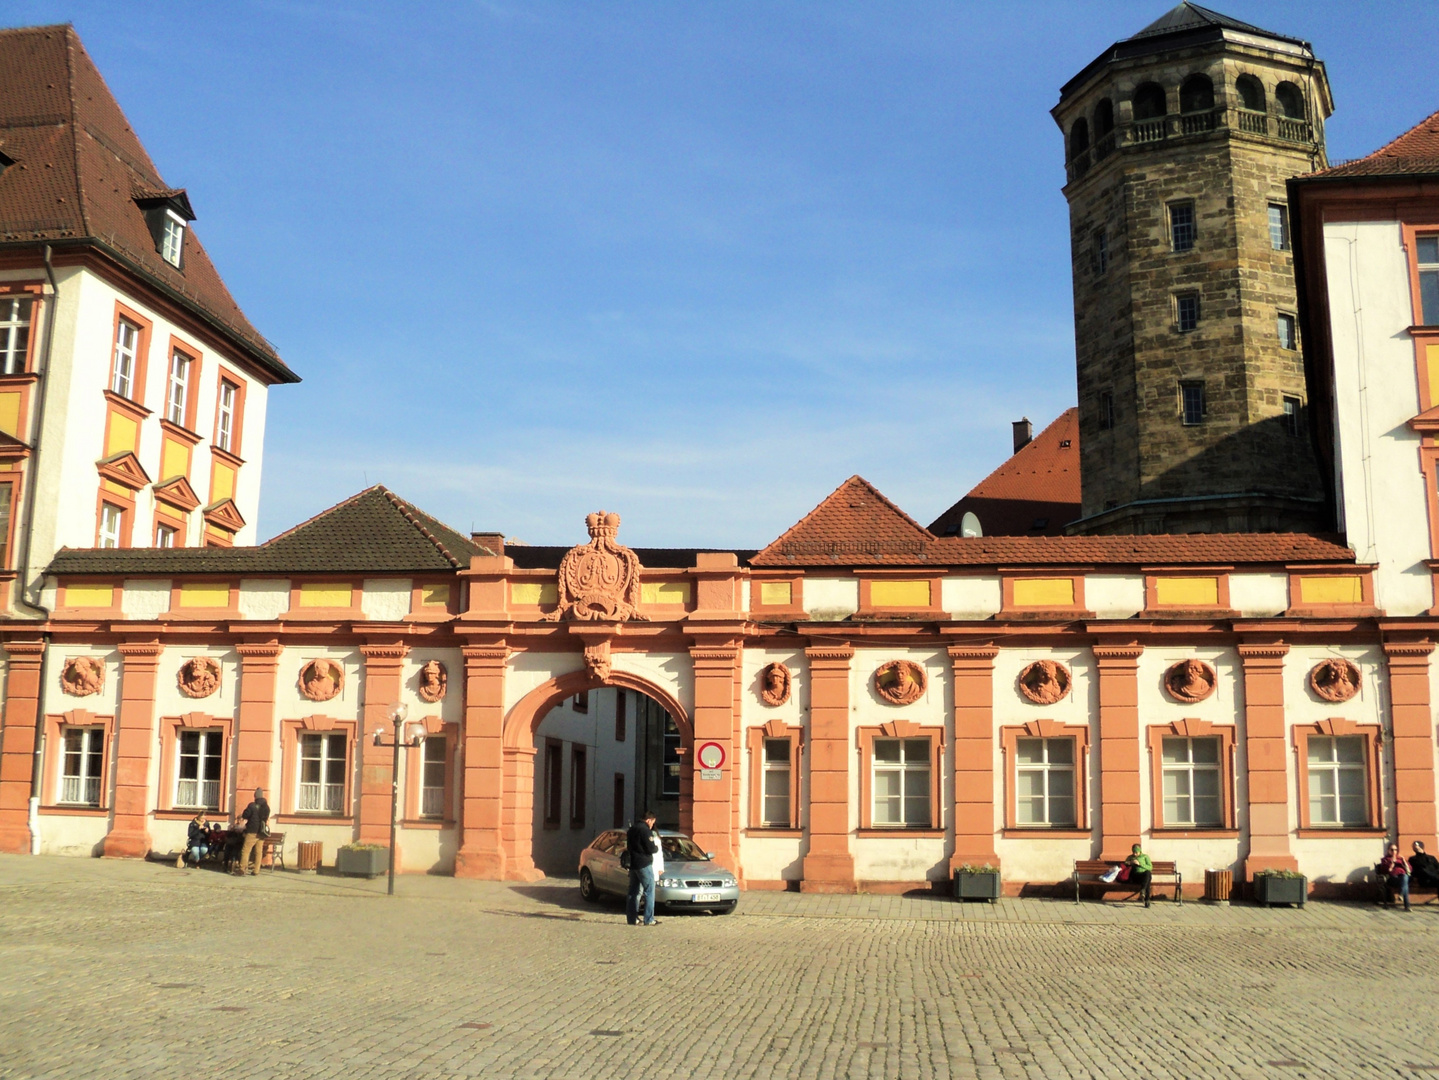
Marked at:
<point>1423,868</point>
<point>197,841</point>
<point>1394,873</point>
<point>1141,866</point>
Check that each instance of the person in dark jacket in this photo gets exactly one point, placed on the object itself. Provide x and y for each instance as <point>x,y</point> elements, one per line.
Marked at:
<point>197,840</point>
<point>257,826</point>
<point>1423,867</point>
<point>640,844</point>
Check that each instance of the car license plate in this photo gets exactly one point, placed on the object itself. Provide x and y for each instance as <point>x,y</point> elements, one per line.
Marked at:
<point>706,897</point>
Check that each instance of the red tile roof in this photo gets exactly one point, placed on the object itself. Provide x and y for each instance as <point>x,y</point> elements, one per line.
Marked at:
<point>854,524</point>
<point>1414,153</point>
<point>1040,482</point>
<point>77,168</point>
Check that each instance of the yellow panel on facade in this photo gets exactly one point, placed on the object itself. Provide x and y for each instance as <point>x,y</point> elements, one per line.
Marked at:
<point>534,592</point>
<point>1044,592</point>
<point>223,486</point>
<point>324,594</point>
<point>665,592</point>
<point>1186,591</point>
<point>89,596</point>
<point>1344,589</point>
<point>1431,359</point>
<point>435,595</point>
<point>124,434</point>
<point>175,461</point>
<point>204,594</point>
<point>10,413</point>
<point>116,489</point>
<point>905,594</point>
<point>775,593</point>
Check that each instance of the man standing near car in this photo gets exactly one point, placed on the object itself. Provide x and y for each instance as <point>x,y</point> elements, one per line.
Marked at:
<point>640,846</point>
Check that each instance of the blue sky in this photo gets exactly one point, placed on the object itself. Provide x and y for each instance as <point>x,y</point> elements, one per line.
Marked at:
<point>695,263</point>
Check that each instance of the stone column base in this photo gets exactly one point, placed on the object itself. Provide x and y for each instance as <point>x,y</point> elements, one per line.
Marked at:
<point>484,865</point>
<point>127,845</point>
<point>828,874</point>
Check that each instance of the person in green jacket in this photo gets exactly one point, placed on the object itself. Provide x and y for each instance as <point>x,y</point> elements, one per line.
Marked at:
<point>1141,866</point>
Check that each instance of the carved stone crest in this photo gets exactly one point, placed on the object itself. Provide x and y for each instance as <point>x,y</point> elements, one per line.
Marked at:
<point>199,678</point>
<point>597,660</point>
<point>434,681</point>
<point>774,685</point>
<point>1335,679</point>
<point>82,676</point>
<point>321,680</point>
<point>900,682</point>
<point>1190,680</point>
<point>599,580</point>
<point>1044,682</point>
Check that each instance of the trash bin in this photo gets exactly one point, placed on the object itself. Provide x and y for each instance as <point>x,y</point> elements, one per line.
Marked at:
<point>1218,885</point>
<point>309,855</point>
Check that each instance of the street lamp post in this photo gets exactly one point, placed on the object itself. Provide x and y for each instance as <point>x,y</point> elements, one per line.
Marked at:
<point>397,740</point>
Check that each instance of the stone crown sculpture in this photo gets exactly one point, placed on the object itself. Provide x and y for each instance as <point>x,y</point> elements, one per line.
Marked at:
<point>599,581</point>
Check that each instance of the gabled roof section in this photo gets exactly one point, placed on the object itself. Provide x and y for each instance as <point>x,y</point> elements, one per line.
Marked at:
<point>375,532</point>
<point>176,491</point>
<point>1034,493</point>
<point>79,169</point>
<point>1415,153</point>
<point>855,525</point>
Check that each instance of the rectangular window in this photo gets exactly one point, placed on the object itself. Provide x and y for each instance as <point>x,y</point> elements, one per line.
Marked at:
<point>1186,312</point>
<point>775,801</point>
<point>14,333</point>
<point>1191,402</point>
<point>670,782</point>
<point>554,783</point>
<point>197,783</point>
<point>83,768</point>
<point>620,706</point>
<point>1292,424</point>
<point>178,388</point>
<point>7,491</point>
<point>225,425</point>
<point>112,520</point>
<point>165,536</point>
<point>1181,226</point>
<point>1192,783</point>
<point>432,778</point>
<point>1106,410</point>
<point>322,774</point>
<point>1338,789</point>
<point>172,239</point>
<point>1279,226</point>
<point>619,802</point>
<point>127,343</point>
<point>1099,252</point>
<point>1288,337</point>
<point>581,702</point>
<point>1044,782</point>
<point>579,774</point>
<point>1429,279</point>
<point>901,783</point>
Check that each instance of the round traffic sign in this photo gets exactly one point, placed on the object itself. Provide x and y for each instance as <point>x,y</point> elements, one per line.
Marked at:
<point>711,755</point>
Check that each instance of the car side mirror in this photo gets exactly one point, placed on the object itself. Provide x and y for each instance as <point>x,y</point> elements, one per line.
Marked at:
<point>709,854</point>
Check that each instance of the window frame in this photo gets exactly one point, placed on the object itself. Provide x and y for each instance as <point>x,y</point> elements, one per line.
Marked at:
<point>51,782</point>
<point>436,730</point>
<point>1174,226</point>
<point>1286,238</point>
<point>141,353</point>
<point>290,749</point>
<point>1191,728</point>
<point>1180,299</point>
<point>755,739</point>
<point>172,728</point>
<point>1045,728</point>
<point>1413,235</point>
<point>579,785</point>
<point>1192,384</point>
<point>1293,418</point>
<point>552,786</point>
<point>172,224</point>
<point>1106,410</point>
<point>124,515</point>
<point>191,384</point>
<point>1289,319</point>
<point>1099,252</point>
<point>10,482</point>
<point>1338,727</point>
<point>237,422</point>
<point>900,729</point>
<point>35,297</point>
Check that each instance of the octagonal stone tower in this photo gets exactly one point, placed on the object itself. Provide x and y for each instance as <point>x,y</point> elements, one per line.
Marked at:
<point>1178,144</point>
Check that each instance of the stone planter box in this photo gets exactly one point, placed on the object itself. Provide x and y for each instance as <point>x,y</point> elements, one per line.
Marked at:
<point>1269,889</point>
<point>982,886</point>
<point>362,862</point>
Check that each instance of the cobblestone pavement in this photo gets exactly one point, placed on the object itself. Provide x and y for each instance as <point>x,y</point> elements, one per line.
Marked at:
<point>122,969</point>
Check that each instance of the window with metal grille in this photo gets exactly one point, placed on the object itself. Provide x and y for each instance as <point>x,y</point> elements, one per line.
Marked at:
<point>775,801</point>
<point>127,342</point>
<point>83,768</point>
<point>1191,402</point>
<point>1186,312</point>
<point>1338,787</point>
<point>900,779</point>
<point>322,774</point>
<point>1279,226</point>
<point>1428,257</point>
<point>432,778</point>
<point>1192,782</point>
<point>197,780</point>
<point>1044,782</point>
<point>14,333</point>
<point>1182,229</point>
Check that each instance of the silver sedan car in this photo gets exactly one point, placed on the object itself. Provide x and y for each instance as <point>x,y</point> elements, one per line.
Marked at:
<point>690,879</point>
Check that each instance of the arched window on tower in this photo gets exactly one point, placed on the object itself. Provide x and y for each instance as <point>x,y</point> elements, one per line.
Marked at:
<point>1196,104</point>
<point>1103,129</point>
<point>1292,125</point>
<point>1150,109</point>
<point>1079,148</point>
<point>1252,115</point>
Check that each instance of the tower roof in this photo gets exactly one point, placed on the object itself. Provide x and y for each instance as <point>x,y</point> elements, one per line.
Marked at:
<point>1415,153</point>
<point>75,175</point>
<point>1186,17</point>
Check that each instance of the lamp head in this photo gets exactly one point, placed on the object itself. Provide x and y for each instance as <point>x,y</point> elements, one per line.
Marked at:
<point>398,714</point>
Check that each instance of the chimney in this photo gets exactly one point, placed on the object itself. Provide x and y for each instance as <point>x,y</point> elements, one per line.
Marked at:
<point>494,542</point>
<point>1023,434</point>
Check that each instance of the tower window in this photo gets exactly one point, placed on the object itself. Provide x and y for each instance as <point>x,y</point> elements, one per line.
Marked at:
<point>1290,101</point>
<point>1186,312</point>
<point>1149,103</point>
<point>1428,251</point>
<point>1106,410</point>
<point>1103,128</point>
<point>1181,226</point>
<point>1279,226</point>
<point>1288,339</point>
<point>1196,94</point>
<point>1292,406</point>
<point>1099,251</point>
<point>1191,400</point>
<point>14,333</point>
<point>1251,93</point>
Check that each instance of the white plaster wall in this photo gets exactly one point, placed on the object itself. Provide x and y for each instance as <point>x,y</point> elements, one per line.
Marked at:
<point>1259,594</point>
<point>386,599</point>
<point>674,672</point>
<point>530,669</point>
<point>770,858</point>
<point>1114,596</point>
<point>290,704</point>
<point>265,599</point>
<point>427,851</point>
<point>971,597</point>
<point>830,599</point>
<point>1382,492</point>
<point>145,598</point>
<point>63,834</point>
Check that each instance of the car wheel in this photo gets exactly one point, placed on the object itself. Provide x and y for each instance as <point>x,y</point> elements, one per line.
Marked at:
<point>587,886</point>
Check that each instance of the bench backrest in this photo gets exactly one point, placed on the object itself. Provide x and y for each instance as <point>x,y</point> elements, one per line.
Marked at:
<point>1099,866</point>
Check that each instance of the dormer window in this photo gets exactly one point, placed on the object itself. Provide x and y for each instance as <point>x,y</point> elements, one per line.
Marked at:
<point>167,213</point>
<point>172,240</point>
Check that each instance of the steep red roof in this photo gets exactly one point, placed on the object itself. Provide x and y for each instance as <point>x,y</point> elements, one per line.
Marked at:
<point>77,171</point>
<point>1414,153</point>
<point>855,525</point>
<point>1034,493</point>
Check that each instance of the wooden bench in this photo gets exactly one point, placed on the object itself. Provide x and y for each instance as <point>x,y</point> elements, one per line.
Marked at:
<point>1414,890</point>
<point>1092,871</point>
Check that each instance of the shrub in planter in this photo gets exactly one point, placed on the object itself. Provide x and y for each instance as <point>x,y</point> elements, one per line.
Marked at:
<point>362,860</point>
<point>976,882</point>
<point>1280,887</point>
